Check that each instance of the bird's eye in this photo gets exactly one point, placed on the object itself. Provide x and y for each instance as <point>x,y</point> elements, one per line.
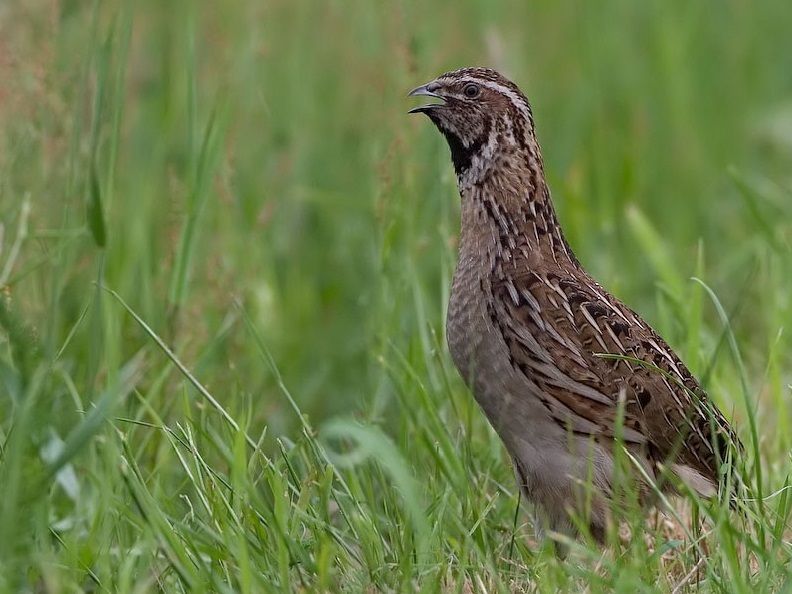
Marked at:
<point>471,90</point>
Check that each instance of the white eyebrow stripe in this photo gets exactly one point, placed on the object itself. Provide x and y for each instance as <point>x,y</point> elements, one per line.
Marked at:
<point>516,100</point>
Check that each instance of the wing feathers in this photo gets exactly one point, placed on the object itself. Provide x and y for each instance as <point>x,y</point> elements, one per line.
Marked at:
<point>558,325</point>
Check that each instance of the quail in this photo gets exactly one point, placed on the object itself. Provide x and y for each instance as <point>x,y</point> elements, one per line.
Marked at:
<point>565,372</point>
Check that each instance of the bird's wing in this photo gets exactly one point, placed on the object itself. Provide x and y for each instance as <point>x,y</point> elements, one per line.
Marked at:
<point>597,361</point>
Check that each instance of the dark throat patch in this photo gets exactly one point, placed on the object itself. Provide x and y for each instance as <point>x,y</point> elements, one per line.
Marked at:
<point>461,155</point>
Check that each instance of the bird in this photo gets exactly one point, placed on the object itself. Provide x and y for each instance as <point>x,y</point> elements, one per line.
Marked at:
<point>564,371</point>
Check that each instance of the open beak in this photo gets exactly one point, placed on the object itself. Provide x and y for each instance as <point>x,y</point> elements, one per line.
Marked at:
<point>427,90</point>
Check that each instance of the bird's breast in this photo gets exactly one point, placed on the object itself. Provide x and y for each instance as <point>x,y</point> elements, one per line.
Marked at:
<point>466,325</point>
<point>476,346</point>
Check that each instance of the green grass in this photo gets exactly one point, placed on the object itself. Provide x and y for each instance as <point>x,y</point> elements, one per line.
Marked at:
<point>226,252</point>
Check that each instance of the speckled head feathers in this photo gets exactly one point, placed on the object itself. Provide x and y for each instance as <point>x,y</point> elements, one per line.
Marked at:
<point>481,113</point>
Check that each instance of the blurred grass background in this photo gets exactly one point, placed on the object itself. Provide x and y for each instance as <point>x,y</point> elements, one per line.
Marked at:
<point>245,177</point>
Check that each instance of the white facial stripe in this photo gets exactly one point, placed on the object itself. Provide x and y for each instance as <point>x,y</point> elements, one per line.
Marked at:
<point>516,100</point>
<point>481,161</point>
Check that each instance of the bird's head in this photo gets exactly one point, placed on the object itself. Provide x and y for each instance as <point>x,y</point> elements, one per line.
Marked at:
<point>483,115</point>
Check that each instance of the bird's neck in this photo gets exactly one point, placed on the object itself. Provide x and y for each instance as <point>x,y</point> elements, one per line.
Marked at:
<point>509,210</point>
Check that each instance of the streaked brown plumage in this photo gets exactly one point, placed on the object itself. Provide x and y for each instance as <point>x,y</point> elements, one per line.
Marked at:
<point>530,331</point>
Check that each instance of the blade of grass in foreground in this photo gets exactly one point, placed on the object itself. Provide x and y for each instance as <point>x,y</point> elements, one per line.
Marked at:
<point>309,433</point>
<point>750,405</point>
<point>374,444</point>
<point>182,368</point>
<point>128,378</point>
